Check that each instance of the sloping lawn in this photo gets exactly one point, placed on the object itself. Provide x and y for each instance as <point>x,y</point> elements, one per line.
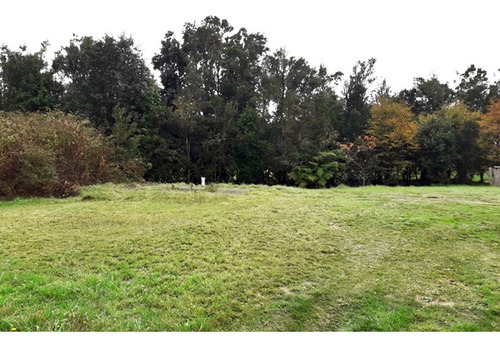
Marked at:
<point>252,258</point>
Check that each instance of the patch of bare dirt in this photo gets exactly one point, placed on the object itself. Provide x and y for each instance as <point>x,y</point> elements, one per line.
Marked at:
<point>426,301</point>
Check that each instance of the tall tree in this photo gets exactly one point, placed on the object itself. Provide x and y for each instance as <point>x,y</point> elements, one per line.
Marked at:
<point>210,82</point>
<point>465,125</point>
<point>393,127</point>
<point>449,148</point>
<point>301,111</point>
<point>242,74</point>
<point>242,64</point>
<point>207,119</point>
<point>171,64</point>
<point>427,96</point>
<point>102,74</point>
<point>490,134</point>
<point>473,89</point>
<point>355,94</point>
<point>26,83</point>
<point>437,148</point>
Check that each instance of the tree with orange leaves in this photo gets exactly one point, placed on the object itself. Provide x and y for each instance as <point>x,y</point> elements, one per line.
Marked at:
<point>393,127</point>
<point>490,134</point>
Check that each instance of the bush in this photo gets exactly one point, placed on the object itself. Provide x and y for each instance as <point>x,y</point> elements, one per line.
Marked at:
<point>53,154</point>
<point>326,169</point>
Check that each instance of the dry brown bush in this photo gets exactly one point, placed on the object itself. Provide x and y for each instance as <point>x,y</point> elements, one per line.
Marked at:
<point>52,155</point>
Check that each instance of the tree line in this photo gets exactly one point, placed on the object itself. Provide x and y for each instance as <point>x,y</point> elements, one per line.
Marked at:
<point>227,108</point>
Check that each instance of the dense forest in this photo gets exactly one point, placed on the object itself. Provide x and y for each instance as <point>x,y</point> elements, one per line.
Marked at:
<point>227,108</point>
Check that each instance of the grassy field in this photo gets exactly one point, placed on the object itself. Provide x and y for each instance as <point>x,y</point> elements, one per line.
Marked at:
<point>252,258</point>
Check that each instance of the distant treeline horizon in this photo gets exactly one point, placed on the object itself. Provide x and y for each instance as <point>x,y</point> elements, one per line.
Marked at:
<point>226,107</point>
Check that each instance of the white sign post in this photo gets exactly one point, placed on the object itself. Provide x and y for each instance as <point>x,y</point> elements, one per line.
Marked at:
<point>203,181</point>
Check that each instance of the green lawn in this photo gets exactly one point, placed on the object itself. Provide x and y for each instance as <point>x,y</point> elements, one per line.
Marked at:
<point>252,258</point>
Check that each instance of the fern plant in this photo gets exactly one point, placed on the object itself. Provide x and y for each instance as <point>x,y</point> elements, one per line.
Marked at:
<point>324,169</point>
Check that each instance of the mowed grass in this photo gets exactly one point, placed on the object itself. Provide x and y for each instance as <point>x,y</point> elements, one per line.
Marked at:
<point>252,258</point>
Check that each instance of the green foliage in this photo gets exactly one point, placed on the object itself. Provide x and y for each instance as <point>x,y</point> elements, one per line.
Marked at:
<point>159,144</point>
<point>465,124</point>
<point>436,141</point>
<point>473,89</point>
<point>324,169</point>
<point>249,149</point>
<point>238,112</point>
<point>109,83</point>
<point>25,82</point>
<point>210,81</point>
<point>126,141</point>
<point>427,96</point>
<point>230,110</point>
<point>301,111</point>
<point>171,64</point>
<point>448,142</point>
<point>102,74</point>
<point>356,111</point>
<point>52,155</point>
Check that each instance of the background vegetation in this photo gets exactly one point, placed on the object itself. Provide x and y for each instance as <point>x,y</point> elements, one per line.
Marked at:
<point>227,108</point>
<point>53,154</point>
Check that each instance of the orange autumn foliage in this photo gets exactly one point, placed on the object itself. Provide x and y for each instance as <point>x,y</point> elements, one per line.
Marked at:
<point>490,133</point>
<point>392,124</point>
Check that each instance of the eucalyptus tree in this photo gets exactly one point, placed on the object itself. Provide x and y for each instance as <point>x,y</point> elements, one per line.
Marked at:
<point>300,109</point>
<point>210,81</point>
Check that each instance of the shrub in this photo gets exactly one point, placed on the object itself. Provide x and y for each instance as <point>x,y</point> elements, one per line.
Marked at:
<point>52,155</point>
<point>324,169</point>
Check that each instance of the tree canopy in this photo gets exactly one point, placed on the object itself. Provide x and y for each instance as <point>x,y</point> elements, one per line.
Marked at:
<point>26,83</point>
<point>227,107</point>
<point>100,74</point>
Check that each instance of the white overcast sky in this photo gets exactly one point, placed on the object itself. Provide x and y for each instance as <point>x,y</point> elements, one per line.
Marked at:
<point>408,38</point>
